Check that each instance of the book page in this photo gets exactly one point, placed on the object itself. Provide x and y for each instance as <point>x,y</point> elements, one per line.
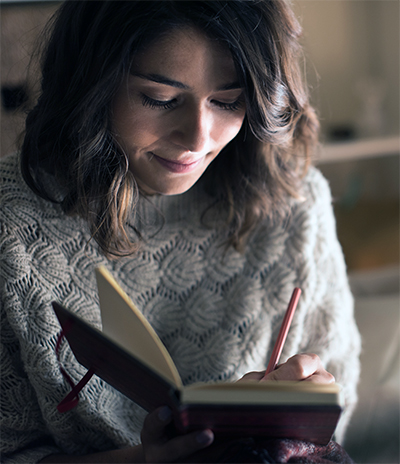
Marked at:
<point>271,392</point>
<point>129,329</point>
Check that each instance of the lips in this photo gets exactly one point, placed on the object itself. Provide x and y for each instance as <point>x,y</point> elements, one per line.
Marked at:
<point>177,166</point>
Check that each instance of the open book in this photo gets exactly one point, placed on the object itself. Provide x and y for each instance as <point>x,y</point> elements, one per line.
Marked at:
<point>129,355</point>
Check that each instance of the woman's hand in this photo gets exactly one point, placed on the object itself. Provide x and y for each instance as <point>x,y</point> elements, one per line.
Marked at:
<point>305,367</point>
<point>158,447</point>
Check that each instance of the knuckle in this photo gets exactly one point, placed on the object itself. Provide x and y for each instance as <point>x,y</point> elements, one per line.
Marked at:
<point>304,364</point>
<point>311,356</point>
<point>300,371</point>
<point>297,364</point>
<point>330,378</point>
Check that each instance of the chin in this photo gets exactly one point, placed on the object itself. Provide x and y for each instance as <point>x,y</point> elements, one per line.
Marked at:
<point>175,190</point>
<point>171,192</point>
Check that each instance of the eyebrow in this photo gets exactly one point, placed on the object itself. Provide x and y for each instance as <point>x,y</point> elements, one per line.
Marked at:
<point>159,79</point>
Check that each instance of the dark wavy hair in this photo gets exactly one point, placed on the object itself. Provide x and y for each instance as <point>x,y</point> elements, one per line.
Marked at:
<point>91,48</point>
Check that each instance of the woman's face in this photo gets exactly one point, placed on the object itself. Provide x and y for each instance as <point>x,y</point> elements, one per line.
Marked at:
<point>181,104</point>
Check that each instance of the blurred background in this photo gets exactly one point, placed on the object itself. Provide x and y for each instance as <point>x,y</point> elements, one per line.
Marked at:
<point>352,67</point>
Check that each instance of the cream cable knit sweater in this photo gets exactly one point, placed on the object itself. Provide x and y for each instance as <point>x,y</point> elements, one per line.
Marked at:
<point>218,314</point>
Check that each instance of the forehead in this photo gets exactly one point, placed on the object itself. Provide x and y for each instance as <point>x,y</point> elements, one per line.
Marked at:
<point>189,51</point>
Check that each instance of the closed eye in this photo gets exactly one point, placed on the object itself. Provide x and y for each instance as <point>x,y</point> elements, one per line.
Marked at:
<point>157,104</point>
<point>233,106</point>
<point>169,104</point>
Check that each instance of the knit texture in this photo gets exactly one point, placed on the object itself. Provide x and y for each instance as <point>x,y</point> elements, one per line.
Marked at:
<point>217,311</point>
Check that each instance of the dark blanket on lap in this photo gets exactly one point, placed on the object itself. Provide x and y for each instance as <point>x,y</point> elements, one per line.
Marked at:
<point>250,450</point>
<point>285,451</point>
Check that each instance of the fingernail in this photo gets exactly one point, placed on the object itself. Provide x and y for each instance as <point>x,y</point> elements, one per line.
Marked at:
<point>164,414</point>
<point>205,437</point>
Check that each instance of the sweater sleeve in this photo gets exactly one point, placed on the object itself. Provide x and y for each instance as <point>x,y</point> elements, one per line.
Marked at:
<point>329,325</point>
<point>21,423</point>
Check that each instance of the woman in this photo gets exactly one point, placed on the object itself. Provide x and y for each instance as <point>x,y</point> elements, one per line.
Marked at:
<point>171,142</point>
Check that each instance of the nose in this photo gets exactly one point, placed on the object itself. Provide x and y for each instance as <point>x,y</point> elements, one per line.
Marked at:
<point>193,130</point>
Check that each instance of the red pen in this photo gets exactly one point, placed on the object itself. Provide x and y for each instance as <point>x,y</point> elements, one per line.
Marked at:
<point>287,320</point>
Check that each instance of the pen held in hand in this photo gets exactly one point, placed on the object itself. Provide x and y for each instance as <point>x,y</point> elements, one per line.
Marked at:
<point>287,320</point>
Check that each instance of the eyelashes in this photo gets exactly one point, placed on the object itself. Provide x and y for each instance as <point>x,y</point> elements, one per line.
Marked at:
<point>234,106</point>
<point>169,104</point>
<point>157,104</point>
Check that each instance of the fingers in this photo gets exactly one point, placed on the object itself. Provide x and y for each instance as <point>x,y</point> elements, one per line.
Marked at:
<point>154,425</point>
<point>302,367</point>
<point>252,376</point>
<point>185,445</point>
<point>158,447</point>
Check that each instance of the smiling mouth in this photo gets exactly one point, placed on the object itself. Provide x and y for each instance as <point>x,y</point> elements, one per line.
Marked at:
<point>176,166</point>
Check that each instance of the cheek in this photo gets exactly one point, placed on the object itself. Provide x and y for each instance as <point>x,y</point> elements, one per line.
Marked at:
<point>227,129</point>
<point>133,127</point>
